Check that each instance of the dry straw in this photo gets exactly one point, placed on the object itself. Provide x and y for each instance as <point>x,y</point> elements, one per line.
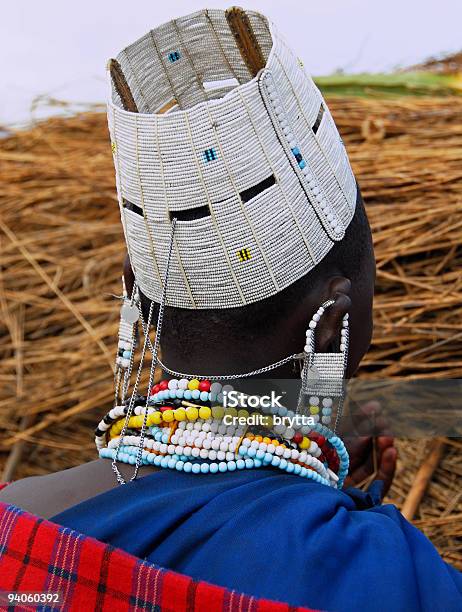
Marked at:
<point>62,252</point>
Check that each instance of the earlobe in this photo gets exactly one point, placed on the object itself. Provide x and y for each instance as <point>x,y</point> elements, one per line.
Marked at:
<point>338,289</point>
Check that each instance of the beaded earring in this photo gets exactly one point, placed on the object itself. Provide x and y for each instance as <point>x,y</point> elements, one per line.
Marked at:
<point>126,345</point>
<point>323,373</point>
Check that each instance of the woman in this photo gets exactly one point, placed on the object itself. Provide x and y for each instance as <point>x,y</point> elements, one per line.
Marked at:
<point>248,242</point>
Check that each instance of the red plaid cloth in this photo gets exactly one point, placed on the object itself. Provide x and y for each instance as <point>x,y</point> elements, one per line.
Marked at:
<point>37,555</point>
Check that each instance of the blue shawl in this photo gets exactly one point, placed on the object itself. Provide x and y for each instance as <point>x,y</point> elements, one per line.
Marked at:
<point>275,535</point>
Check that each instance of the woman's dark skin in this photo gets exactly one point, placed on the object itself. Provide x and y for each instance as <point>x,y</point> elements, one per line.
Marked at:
<point>49,495</point>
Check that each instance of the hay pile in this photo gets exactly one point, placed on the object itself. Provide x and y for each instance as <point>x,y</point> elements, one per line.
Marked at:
<point>62,252</point>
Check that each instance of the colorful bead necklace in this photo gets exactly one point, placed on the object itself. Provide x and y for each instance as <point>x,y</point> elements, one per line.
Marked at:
<point>185,430</point>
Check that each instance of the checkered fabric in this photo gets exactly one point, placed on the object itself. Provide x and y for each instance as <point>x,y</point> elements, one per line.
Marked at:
<point>37,555</point>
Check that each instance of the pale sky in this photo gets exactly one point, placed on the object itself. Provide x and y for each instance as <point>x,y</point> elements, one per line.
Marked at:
<point>61,48</point>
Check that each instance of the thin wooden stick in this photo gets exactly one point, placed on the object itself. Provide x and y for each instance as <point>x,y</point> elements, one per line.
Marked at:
<point>422,479</point>
<point>121,86</point>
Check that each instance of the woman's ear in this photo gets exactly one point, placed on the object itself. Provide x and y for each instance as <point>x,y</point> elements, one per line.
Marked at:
<point>338,288</point>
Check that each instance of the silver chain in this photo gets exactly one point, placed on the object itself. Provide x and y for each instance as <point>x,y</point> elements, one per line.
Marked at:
<point>155,351</point>
<point>263,370</point>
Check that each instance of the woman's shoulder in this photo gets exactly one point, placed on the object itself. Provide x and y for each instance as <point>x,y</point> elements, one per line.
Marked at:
<point>51,494</point>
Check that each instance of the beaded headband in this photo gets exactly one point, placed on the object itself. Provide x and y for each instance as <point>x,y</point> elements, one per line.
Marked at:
<point>214,122</point>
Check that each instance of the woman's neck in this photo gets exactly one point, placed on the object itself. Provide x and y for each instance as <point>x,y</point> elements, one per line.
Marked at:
<point>230,358</point>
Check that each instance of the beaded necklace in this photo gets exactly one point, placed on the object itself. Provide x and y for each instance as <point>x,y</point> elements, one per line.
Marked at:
<point>185,430</point>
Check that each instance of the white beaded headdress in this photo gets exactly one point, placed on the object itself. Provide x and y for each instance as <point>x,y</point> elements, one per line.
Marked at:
<point>213,112</point>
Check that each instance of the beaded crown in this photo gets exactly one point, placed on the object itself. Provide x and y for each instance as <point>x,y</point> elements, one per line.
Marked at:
<point>214,122</point>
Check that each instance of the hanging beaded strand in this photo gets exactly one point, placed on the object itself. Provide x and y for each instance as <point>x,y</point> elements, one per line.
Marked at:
<point>324,372</point>
<point>344,347</point>
<point>128,412</point>
<point>126,344</point>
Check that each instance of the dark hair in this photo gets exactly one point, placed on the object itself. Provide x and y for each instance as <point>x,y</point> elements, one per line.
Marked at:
<point>345,257</point>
